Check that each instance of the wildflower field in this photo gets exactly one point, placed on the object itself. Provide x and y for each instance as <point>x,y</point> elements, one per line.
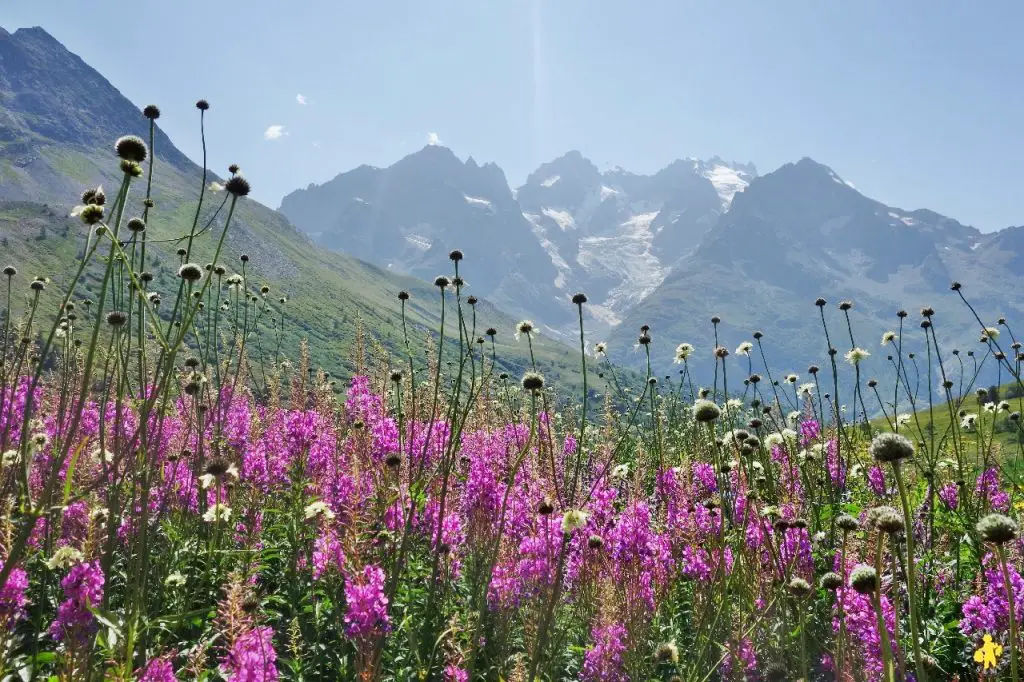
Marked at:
<point>185,499</point>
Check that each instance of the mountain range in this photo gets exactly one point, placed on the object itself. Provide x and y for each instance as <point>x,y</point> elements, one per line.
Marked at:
<point>671,250</point>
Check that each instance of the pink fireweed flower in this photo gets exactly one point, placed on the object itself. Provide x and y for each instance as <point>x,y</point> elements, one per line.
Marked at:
<point>158,670</point>
<point>252,657</point>
<point>83,588</point>
<point>367,613</point>
<point>13,598</point>
<point>604,661</point>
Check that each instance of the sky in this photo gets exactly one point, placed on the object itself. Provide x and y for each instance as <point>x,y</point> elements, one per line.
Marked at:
<point>917,102</point>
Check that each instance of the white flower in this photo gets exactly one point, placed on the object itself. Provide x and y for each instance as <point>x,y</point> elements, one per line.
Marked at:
<point>65,557</point>
<point>206,480</point>
<point>989,333</point>
<point>317,508</point>
<point>792,378</point>
<point>806,389</point>
<point>855,355</point>
<point>744,348</point>
<point>174,580</point>
<point>216,187</point>
<point>620,471</point>
<point>9,457</point>
<point>794,416</point>
<point>968,421</point>
<point>888,337</point>
<point>219,510</point>
<point>601,349</point>
<point>990,407</point>
<point>773,439</point>
<point>734,404</point>
<point>1004,406</point>
<point>902,419</point>
<point>573,519</point>
<point>524,327</point>
<point>683,351</point>
<point>103,454</point>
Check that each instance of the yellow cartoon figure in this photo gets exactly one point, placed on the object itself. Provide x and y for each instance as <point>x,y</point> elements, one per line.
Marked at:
<point>988,653</point>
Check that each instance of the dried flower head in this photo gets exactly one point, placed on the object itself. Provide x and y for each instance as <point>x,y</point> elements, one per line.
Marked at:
<point>864,579</point>
<point>891,447</point>
<point>997,529</point>
<point>131,148</point>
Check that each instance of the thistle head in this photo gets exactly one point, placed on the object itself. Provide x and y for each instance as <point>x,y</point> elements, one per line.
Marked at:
<point>891,447</point>
<point>533,381</point>
<point>190,272</point>
<point>706,411</point>
<point>151,111</point>
<point>997,529</point>
<point>131,148</point>
<point>579,298</point>
<point>864,579</point>
<point>238,186</point>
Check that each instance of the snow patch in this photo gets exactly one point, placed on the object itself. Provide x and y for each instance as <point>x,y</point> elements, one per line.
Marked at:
<point>626,256</point>
<point>541,232</point>
<point>607,192</point>
<point>550,181</point>
<point>477,201</point>
<point>726,181</point>
<point>906,220</point>
<point>563,218</point>
<point>418,241</point>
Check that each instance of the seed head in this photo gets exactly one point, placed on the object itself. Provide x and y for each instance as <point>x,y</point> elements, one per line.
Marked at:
<point>864,579</point>
<point>202,105</point>
<point>37,285</point>
<point>131,168</point>
<point>190,272</point>
<point>455,255</point>
<point>131,148</point>
<point>91,214</point>
<point>94,196</point>
<point>715,319</point>
<point>237,185</point>
<point>403,295</point>
<point>644,339</point>
<point>887,520</point>
<point>393,460</point>
<point>472,300</point>
<point>799,588</point>
<point>218,466</point>
<point>667,653</point>
<point>10,271</point>
<point>151,111</point>
<point>233,168</point>
<point>533,381</point>
<point>546,507</point>
<point>116,318</point>
<point>845,305</point>
<point>706,411</point>
<point>927,311</point>
<point>997,529</point>
<point>136,225</point>
<point>820,302</point>
<point>891,447</point>
<point>847,523</point>
<point>831,581</point>
<point>441,282</point>
<point>721,352</point>
<point>491,332</point>
<point>580,298</point>
<point>595,542</point>
<point>955,286</point>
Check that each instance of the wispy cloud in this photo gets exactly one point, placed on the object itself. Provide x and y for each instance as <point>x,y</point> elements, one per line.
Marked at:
<point>275,132</point>
<point>301,99</point>
<point>433,140</point>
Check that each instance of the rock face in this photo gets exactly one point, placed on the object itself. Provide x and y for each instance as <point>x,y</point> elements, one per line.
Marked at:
<point>569,228</point>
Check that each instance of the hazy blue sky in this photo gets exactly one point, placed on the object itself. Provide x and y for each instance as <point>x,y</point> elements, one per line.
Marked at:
<point>918,103</point>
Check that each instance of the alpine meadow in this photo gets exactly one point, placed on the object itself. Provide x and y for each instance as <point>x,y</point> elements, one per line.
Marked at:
<point>697,425</point>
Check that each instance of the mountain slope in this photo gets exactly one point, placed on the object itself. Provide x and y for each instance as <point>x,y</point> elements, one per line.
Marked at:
<point>409,216</point>
<point>58,121</point>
